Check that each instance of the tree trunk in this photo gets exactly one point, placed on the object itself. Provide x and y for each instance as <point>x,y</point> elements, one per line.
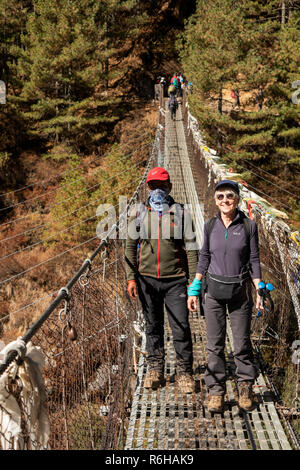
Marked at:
<point>220,102</point>
<point>106,73</point>
<point>283,8</point>
<point>290,9</point>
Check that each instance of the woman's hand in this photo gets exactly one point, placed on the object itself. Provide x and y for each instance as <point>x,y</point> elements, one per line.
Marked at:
<point>192,303</point>
<point>259,305</point>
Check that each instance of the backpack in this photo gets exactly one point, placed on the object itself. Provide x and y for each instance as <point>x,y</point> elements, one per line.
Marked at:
<point>175,82</point>
<point>173,102</point>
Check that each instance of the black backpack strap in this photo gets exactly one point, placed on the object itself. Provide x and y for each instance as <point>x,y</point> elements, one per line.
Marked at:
<point>246,223</point>
<point>140,215</point>
<point>247,227</point>
<point>210,225</point>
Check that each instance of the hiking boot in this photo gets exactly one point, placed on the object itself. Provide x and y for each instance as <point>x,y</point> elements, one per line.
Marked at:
<point>154,378</point>
<point>246,396</point>
<point>216,403</point>
<point>186,383</point>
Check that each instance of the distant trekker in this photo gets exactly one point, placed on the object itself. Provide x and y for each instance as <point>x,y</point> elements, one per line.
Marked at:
<point>189,88</point>
<point>175,80</point>
<point>173,105</point>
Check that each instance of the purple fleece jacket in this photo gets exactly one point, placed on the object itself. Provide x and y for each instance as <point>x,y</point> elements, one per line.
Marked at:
<point>227,251</point>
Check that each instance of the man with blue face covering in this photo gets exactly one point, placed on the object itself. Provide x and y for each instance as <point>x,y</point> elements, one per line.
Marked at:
<point>159,274</point>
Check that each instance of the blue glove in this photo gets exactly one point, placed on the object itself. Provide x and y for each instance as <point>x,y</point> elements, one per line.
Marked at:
<point>195,288</point>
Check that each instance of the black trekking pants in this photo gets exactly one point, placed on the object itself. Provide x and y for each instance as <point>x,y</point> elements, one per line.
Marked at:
<point>173,112</point>
<point>154,294</point>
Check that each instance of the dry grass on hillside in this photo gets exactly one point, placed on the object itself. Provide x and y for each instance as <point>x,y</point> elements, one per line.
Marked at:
<point>138,127</point>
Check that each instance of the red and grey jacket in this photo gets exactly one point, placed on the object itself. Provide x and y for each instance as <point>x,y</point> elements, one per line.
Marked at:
<point>166,242</point>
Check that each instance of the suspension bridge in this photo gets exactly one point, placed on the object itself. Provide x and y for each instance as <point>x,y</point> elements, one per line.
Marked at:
<point>75,379</point>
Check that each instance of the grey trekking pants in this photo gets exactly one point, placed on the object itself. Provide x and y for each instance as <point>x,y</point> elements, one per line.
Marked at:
<point>240,309</point>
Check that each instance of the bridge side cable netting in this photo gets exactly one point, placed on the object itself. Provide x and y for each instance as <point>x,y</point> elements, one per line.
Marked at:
<point>276,333</point>
<point>87,348</point>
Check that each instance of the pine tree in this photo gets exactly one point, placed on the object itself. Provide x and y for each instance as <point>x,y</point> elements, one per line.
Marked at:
<point>206,61</point>
<point>12,25</point>
<point>252,51</point>
<point>65,69</point>
<point>73,212</point>
<point>12,126</point>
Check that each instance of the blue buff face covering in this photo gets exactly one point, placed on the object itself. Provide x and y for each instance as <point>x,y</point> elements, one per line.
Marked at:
<point>159,198</point>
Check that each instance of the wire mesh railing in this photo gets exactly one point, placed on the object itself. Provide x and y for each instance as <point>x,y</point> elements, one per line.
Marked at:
<point>275,333</point>
<point>84,345</point>
<point>68,382</point>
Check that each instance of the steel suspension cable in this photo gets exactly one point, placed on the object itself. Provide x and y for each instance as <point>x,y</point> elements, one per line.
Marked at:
<point>67,228</point>
<point>57,189</point>
<point>72,197</point>
<point>64,292</point>
<point>68,170</point>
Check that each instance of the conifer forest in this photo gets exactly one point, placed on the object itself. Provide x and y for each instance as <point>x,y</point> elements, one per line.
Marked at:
<point>78,118</point>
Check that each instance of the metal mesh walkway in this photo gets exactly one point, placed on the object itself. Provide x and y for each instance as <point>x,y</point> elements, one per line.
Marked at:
<point>168,419</point>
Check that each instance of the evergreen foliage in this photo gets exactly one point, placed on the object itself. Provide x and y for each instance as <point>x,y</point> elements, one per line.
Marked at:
<point>12,125</point>
<point>65,69</point>
<point>65,63</point>
<point>247,46</point>
<point>80,195</point>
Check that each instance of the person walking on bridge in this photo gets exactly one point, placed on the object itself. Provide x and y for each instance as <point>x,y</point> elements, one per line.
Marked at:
<point>229,258</point>
<point>173,105</point>
<point>159,273</point>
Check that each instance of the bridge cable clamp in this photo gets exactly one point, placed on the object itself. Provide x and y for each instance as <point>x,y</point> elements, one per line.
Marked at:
<point>63,313</point>
<point>103,255</point>
<point>84,279</point>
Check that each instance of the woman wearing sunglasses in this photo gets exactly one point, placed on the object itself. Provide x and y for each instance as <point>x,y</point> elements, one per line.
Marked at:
<point>229,259</point>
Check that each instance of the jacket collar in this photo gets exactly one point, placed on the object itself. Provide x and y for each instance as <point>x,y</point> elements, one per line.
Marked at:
<point>237,219</point>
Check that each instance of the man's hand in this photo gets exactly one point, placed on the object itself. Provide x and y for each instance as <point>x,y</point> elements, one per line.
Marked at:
<point>132,289</point>
<point>192,303</point>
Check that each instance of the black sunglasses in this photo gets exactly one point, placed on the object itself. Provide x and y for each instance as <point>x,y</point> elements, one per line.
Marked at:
<point>221,196</point>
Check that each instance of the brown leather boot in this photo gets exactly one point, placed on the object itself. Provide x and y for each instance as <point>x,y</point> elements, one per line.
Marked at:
<point>186,383</point>
<point>247,400</point>
<point>216,403</point>
<point>154,378</point>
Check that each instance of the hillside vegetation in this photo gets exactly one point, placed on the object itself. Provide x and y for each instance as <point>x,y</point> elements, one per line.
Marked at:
<point>75,132</point>
<point>251,46</point>
<point>79,117</point>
